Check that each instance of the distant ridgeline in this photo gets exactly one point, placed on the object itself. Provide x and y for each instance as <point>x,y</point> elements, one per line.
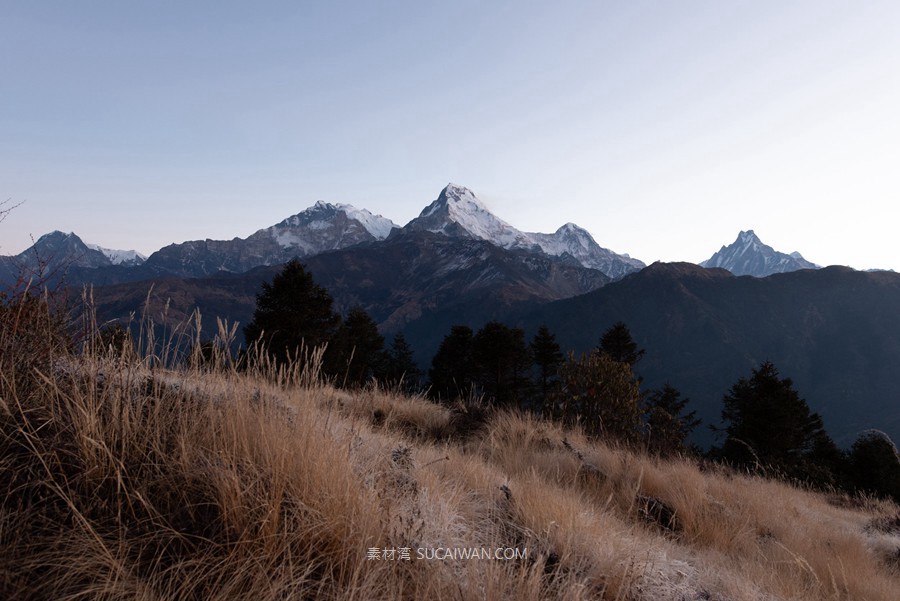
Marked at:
<point>834,331</point>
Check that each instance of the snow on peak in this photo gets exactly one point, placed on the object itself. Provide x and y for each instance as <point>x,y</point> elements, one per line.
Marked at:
<point>462,203</point>
<point>321,216</point>
<point>56,234</point>
<point>380,227</point>
<point>748,255</point>
<point>119,257</point>
<point>327,226</point>
<point>456,193</point>
<point>457,212</point>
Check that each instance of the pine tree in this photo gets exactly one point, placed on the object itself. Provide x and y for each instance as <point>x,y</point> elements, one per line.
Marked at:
<point>769,425</point>
<point>667,427</point>
<point>502,361</point>
<point>292,312</point>
<point>618,344</point>
<point>452,370</point>
<point>401,370</point>
<point>356,354</point>
<point>875,464</point>
<point>548,357</point>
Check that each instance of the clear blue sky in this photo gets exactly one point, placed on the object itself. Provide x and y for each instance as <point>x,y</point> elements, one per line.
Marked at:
<point>663,128</point>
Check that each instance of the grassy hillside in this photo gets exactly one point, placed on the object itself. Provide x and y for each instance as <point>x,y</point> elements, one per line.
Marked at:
<point>122,480</point>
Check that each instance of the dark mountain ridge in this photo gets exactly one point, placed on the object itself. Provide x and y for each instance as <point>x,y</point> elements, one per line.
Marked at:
<point>417,282</point>
<point>834,331</point>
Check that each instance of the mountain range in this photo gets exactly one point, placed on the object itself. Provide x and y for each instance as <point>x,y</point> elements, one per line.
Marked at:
<point>457,213</point>
<point>833,330</point>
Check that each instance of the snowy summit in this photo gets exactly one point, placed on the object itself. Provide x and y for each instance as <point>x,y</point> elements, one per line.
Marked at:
<point>457,212</point>
<point>747,255</point>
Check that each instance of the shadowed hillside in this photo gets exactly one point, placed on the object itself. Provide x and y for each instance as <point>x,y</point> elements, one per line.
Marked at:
<point>833,331</point>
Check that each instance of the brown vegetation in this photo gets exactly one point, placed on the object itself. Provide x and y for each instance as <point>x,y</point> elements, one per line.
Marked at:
<point>123,480</point>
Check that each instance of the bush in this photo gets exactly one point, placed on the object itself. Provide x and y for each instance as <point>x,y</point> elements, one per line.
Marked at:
<point>601,395</point>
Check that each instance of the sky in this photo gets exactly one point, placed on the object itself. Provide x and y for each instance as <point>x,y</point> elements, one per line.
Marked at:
<point>663,128</point>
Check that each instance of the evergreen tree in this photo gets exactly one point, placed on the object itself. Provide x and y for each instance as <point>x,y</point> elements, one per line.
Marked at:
<point>291,312</point>
<point>618,344</point>
<point>875,464</point>
<point>401,370</point>
<point>667,427</point>
<point>548,357</point>
<point>356,354</point>
<point>452,370</point>
<point>769,425</point>
<point>502,361</point>
<point>602,396</point>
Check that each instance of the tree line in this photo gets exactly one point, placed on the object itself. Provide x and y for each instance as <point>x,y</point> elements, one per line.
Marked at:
<point>767,427</point>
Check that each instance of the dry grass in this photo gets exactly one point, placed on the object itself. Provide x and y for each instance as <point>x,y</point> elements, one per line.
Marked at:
<point>122,480</point>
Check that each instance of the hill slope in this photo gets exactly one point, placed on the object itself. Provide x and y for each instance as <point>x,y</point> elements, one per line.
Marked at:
<point>123,483</point>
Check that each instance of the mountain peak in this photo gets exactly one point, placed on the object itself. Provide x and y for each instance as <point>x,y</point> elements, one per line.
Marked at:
<point>57,235</point>
<point>117,256</point>
<point>321,216</point>
<point>461,202</point>
<point>63,250</point>
<point>455,192</point>
<point>458,213</point>
<point>571,228</point>
<point>380,227</point>
<point>748,255</point>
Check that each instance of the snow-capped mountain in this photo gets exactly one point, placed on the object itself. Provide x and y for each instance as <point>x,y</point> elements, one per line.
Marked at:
<point>457,212</point>
<point>128,258</point>
<point>57,254</point>
<point>749,256</point>
<point>61,247</point>
<point>321,227</point>
<point>580,245</point>
<point>326,226</point>
<point>58,247</point>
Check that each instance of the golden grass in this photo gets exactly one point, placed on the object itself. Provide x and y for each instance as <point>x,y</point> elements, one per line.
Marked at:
<point>122,480</point>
